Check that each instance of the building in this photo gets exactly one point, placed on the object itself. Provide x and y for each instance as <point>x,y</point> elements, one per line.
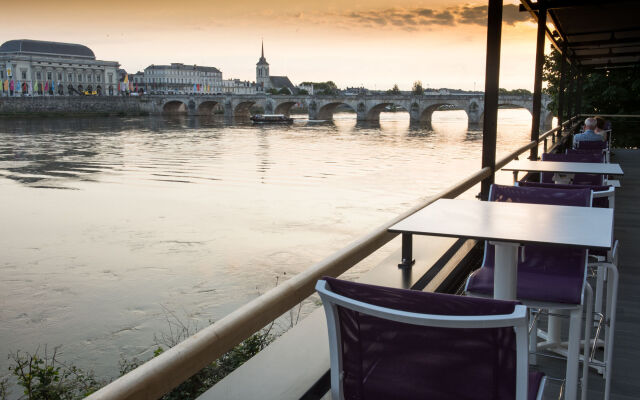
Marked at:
<point>265,82</point>
<point>182,79</point>
<point>237,86</point>
<point>35,67</point>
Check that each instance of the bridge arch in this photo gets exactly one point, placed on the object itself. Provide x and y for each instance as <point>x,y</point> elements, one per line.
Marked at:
<point>242,108</point>
<point>284,107</point>
<point>427,113</point>
<point>174,107</point>
<point>207,107</point>
<point>374,112</point>
<point>325,112</point>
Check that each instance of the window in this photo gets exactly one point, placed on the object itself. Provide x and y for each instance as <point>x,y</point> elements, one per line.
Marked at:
<point>59,76</point>
<point>70,76</point>
<point>49,76</point>
<point>39,75</point>
<point>1,74</point>
<point>79,77</point>
<point>89,77</point>
<point>98,78</point>
<point>110,78</point>
<point>24,74</point>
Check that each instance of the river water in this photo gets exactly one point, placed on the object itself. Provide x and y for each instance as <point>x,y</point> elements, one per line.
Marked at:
<point>111,227</point>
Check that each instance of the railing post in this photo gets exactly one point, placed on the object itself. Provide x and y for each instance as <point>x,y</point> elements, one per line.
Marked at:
<point>578,108</point>
<point>570,96</point>
<point>491,87</point>
<point>537,81</point>
<point>563,79</point>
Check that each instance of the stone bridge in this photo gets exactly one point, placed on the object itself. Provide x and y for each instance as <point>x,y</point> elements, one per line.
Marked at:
<point>366,107</point>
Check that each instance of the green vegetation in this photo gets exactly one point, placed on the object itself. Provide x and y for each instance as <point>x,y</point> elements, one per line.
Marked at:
<point>46,377</point>
<point>514,92</point>
<point>323,88</point>
<point>394,90</point>
<point>614,91</point>
<point>417,89</point>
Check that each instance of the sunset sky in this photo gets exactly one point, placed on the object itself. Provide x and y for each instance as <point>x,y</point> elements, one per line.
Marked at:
<point>358,42</point>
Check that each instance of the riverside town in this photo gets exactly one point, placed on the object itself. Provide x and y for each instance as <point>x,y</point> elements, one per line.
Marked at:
<point>431,200</point>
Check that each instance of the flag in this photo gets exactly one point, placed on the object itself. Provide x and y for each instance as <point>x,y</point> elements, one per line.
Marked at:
<point>195,87</point>
<point>46,86</point>
<point>53,87</point>
<point>30,87</point>
<point>12,85</point>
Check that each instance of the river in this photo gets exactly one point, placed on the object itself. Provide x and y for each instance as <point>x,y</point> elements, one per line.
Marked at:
<point>111,226</point>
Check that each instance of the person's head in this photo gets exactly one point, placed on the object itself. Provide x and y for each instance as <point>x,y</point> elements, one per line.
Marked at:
<point>590,123</point>
<point>600,122</point>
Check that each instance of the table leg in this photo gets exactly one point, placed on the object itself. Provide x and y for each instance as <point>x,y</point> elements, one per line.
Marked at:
<point>407,251</point>
<point>505,271</point>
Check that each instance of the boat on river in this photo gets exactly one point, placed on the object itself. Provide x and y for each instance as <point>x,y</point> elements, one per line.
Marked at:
<point>271,119</point>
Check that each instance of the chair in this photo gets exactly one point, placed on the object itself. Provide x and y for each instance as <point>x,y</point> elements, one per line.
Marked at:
<point>388,343</point>
<point>549,277</point>
<point>601,145</point>
<point>579,179</point>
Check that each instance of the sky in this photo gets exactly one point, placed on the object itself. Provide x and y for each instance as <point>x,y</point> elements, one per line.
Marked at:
<point>371,43</point>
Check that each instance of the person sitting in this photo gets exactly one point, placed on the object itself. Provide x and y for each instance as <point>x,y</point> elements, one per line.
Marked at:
<point>601,127</point>
<point>589,133</point>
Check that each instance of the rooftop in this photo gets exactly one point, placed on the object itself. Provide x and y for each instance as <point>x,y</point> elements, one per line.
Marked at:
<point>45,48</point>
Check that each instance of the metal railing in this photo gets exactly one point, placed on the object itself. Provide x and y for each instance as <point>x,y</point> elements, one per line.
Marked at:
<point>161,374</point>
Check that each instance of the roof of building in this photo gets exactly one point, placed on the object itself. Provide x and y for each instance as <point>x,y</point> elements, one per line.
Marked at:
<point>279,82</point>
<point>183,67</point>
<point>44,48</point>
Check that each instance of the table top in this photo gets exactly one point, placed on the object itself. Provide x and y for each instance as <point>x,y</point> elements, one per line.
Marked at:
<point>513,222</point>
<point>564,167</point>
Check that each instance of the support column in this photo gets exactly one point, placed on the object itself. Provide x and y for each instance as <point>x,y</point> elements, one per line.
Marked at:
<point>537,81</point>
<point>563,79</point>
<point>578,106</point>
<point>491,87</point>
<point>571,89</point>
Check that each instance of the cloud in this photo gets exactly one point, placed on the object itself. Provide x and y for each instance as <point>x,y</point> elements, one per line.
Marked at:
<point>419,18</point>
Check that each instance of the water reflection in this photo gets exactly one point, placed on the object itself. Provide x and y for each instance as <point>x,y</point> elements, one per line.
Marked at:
<point>195,214</point>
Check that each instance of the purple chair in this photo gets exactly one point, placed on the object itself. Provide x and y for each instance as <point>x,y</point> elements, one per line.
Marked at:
<point>597,145</point>
<point>579,179</point>
<point>549,277</point>
<point>388,343</point>
<point>603,196</point>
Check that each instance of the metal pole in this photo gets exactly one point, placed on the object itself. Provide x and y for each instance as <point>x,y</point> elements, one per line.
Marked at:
<point>537,82</point>
<point>563,78</point>
<point>578,106</point>
<point>491,87</point>
<point>570,96</point>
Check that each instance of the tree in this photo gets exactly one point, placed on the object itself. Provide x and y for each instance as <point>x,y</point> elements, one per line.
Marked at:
<point>323,88</point>
<point>604,91</point>
<point>394,90</point>
<point>417,88</point>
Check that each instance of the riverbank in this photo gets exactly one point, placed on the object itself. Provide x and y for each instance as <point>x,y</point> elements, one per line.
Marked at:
<point>44,106</point>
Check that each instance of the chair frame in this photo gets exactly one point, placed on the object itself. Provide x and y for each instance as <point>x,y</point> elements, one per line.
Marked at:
<point>518,320</point>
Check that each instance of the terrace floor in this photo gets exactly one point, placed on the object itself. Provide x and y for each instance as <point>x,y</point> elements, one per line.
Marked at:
<point>625,381</point>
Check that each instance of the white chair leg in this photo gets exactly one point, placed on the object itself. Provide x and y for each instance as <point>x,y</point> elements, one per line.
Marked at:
<point>612,302</point>
<point>599,289</point>
<point>573,354</point>
<point>588,298</point>
<point>533,337</point>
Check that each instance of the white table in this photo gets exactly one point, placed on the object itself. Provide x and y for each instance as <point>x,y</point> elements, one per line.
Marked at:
<point>509,225</point>
<point>562,167</point>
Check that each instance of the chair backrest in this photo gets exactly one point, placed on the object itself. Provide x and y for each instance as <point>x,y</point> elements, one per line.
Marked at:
<point>389,343</point>
<point>591,144</point>
<point>595,154</point>
<point>566,263</point>
<point>580,179</point>
<point>603,196</point>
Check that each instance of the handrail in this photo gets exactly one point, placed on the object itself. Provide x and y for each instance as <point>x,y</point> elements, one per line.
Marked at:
<point>161,374</point>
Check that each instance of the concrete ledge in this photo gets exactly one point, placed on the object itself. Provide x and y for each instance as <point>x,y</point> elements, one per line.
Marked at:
<point>292,364</point>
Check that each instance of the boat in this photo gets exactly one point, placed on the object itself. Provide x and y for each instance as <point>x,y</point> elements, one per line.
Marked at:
<point>271,119</point>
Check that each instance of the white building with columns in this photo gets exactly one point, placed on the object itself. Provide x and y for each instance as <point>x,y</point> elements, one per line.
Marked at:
<point>52,68</point>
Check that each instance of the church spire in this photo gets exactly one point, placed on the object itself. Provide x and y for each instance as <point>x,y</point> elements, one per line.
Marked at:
<point>262,49</point>
<point>262,60</point>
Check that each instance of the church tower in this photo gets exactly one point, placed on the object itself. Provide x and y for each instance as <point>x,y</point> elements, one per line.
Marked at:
<point>262,72</point>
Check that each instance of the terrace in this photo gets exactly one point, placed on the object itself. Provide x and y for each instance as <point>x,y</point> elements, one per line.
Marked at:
<point>296,365</point>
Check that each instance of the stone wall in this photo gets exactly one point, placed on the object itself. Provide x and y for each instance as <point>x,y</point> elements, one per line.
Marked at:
<point>116,105</point>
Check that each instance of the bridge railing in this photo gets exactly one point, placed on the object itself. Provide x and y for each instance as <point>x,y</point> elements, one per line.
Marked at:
<point>163,373</point>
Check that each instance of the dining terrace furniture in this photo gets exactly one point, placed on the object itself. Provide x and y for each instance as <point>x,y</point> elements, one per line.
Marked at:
<point>388,343</point>
<point>582,179</point>
<point>508,226</point>
<point>562,168</point>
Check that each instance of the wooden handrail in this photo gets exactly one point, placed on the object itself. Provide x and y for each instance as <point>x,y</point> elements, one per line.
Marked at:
<point>161,374</point>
